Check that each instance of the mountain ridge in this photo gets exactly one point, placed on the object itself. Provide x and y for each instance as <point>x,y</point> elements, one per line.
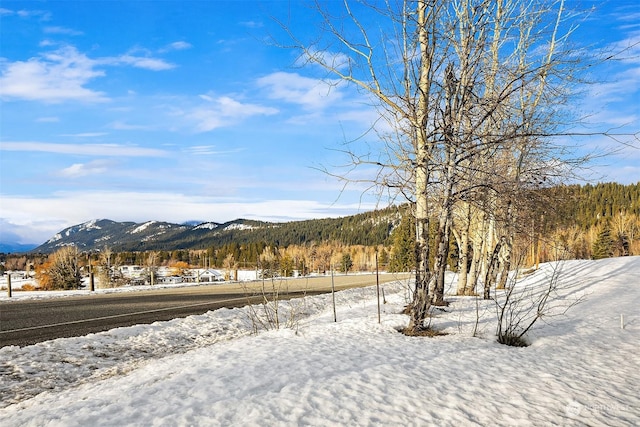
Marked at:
<point>94,235</point>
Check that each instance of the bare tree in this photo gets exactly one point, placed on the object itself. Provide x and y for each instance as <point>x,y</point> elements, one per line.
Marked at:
<point>230,265</point>
<point>519,307</point>
<point>62,270</point>
<point>151,266</point>
<point>472,92</point>
<point>104,268</point>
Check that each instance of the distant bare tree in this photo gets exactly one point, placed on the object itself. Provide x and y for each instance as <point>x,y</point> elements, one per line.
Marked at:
<point>62,269</point>
<point>105,275</point>
<point>230,265</point>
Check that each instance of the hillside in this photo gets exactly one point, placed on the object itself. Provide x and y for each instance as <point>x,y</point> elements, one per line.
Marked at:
<point>370,228</point>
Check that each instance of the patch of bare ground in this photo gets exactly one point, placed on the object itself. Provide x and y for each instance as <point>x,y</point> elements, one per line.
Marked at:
<point>422,332</point>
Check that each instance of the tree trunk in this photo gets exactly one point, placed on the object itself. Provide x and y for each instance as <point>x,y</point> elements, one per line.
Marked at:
<point>420,303</point>
<point>476,260</point>
<point>440,265</point>
<point>508,247</point>
<point>489,276</point>
<point>426,40</point>
<point>506,264</point>
<point>446,212</point>
<point>463,259</point>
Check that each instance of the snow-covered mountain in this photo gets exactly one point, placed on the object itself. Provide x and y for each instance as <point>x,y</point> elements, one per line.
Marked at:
<point>150,235</point>
<point>368,228</point>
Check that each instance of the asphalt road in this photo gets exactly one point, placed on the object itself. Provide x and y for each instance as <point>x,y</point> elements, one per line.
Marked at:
<point>28,322</point>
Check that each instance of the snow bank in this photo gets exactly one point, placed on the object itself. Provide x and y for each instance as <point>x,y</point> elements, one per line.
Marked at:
<point>581,369</point>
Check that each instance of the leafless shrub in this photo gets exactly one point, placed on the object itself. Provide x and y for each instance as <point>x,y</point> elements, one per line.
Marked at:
<point>269,312</point>
<point>521,305</point>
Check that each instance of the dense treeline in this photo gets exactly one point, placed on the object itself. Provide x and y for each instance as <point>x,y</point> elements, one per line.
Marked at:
<point>592,221</point>
<point>589,205</point>
<point>362,229</point>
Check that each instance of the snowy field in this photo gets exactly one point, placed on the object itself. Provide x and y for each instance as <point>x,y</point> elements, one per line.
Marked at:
<point>582,367</point>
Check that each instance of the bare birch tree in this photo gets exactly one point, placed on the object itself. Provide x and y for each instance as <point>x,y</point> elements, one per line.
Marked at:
<point>471,90</point>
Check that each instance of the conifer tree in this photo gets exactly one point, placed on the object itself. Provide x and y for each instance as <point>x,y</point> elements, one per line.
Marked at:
<point>346,263</point>
<point>603,246</point>
<point>402,252</point>
<point>621,244</point>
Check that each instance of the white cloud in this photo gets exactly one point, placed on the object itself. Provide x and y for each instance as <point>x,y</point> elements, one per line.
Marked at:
<point>179,45</point>
<point>612,101</point>
<point>120,125</point>
<point>49,119</point>
<point>26,230</point>
<point>208,150</point>
<point>70,208</point>
<point>311,94</point>
<point>223,111</point>
<point>153,64</point>
<point>83,149</point>
<point>625,52</point>
<point>335,60</point>
<point>78,170</point>
<point>63,74</point>
<point>616,120</point>
<point>62,30</point>
<point>252,24</point>
<point>55,77</point>
<point>315,101</point>
<point>85,134</point>
<point>42,14</point>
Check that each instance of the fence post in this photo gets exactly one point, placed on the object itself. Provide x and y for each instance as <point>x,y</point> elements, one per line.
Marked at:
<point>378,286</point>
<point>92,286</point>
<point>9,285</point>
<point>333,297</point>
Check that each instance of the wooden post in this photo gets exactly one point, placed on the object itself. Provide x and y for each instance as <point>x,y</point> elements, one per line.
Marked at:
<point>9,285</point>
<point>378,286</point>
<point>92,284</point>
<point>333,297</point>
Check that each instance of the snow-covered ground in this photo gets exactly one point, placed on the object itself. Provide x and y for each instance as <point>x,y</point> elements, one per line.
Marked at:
<point>582,368</point>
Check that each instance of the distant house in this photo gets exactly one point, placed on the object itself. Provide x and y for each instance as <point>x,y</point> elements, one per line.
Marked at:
<point>169,280</point>
<point>210,275</point>
<point>132,271</point>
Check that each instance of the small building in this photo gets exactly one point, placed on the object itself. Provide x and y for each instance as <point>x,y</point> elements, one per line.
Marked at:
<point>169,280</point>
<point>210,275</point>
<point>132,271</point>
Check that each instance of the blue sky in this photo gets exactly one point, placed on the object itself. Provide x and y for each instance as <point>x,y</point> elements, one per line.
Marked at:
<point>183,110</point>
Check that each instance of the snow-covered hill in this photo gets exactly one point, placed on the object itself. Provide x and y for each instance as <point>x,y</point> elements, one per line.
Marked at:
<point>582,367</point>
<point>96,234</point>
